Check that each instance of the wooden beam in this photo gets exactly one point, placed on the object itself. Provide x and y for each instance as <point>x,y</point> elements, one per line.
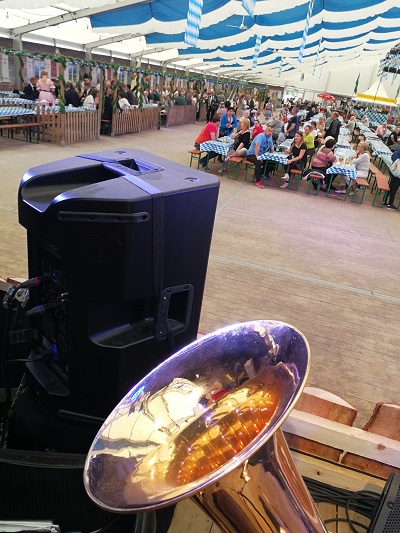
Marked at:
<point>336,475</point>
<point>73,15</point>
<point>346,438</point>
<point>110,40</point>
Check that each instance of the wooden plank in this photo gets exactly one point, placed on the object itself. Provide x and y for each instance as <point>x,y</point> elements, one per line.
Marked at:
<point>351,439</point>
<point>336,475</point>
<point>385,421</point>
<point>327,511</point>
<point>329,406</point>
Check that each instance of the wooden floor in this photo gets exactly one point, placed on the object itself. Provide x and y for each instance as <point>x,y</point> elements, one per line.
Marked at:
<point>328,267</point>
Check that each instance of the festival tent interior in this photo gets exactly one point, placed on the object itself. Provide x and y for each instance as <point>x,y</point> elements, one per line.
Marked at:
<point>298,42</point>
<point>375,95</point>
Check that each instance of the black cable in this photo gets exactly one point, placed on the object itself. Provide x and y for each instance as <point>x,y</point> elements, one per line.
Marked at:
<point>361,502</point>
<point>330,520</point>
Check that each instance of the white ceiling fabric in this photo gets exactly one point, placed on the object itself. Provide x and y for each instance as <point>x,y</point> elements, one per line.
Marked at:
<point>345,35</point>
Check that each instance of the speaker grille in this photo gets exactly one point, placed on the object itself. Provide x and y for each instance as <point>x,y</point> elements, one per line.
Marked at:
<point>386,517</point>
<point>393,520</point>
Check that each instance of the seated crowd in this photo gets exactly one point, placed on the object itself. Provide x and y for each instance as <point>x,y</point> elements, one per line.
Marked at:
<point>312,144</point>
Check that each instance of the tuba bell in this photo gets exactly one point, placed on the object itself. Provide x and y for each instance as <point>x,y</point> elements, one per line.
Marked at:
<point>206,424</point>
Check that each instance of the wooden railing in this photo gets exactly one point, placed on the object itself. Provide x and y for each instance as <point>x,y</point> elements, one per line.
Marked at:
<point>178,115</point>
<point>80,126</point>
<point>203,112</point>
<point>134,119</point>
<point>71,127</point>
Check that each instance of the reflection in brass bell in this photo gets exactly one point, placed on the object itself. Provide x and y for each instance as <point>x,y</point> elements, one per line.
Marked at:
<point>205,423</point>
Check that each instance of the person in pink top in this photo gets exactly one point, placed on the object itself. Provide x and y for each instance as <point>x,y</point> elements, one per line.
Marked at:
<point>46,88</point>
<point>381,130</point>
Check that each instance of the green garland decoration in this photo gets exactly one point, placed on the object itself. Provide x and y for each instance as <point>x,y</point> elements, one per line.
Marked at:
<point>79,82</point>
<point>141,91</point>
<point>103,101</point>
<point>115,100</point>
<point>105,65</point>
<point>21,62</point>
<point>61,99</point>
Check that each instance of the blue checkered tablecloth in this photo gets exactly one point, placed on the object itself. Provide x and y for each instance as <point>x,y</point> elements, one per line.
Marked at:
<point>15,111</point>
<point>379,146</point>
<point>346,151</point>
<point>382,152</point>
<point>350,172</point>
<point>343,145</point>
<point>373,117</point>
<point>344,131</point>
<point>218,147</point>
<point>387,159</point>
<point>18,101</point>
<point>274,156</point>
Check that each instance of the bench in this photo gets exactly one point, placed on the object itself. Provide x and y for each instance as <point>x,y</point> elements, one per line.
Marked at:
<point>195,154</point>
<point>314,178</point>
<point>380,186</point>
<point>372,171</point>
<point>234,160</point>
<point>25,125</point>
<point>248,164</point>
<point>361,185</point>
<point>294,174</point>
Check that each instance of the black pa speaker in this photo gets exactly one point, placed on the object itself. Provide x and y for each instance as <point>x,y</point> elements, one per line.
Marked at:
<point>120,242</point>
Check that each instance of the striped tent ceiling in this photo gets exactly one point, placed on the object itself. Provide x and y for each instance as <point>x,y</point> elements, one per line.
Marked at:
<point>342,34</point>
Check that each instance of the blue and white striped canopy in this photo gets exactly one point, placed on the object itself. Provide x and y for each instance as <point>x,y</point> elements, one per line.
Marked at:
<point>342,34</point>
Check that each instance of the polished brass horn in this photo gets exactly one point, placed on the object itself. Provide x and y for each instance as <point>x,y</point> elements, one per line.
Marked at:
<point>206,423</point>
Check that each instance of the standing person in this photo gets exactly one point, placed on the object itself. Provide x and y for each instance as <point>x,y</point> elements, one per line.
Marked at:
<point>277,125</point>
<point>46,88</point>
<point>334,126</point>
<point>365,121</point>
<point>71,96</point>
<point>261,144</point>
<point>297,157</point>
<point>251,103</point>
<point>208,133</point>
<point>309,140</point>
<point>293,124</point>
<point>268,108</point>
<point>85,90</point>
<point>211,106</point>
<point>30,90</point>
<point>241,106</point>
<point>351,124</point>
<point>394,183</point>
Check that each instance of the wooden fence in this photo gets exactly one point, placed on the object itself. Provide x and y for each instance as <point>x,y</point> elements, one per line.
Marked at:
<point>179,115</point>
<point>71,127</point>
<point>133,120</point>
<point>202,112</point>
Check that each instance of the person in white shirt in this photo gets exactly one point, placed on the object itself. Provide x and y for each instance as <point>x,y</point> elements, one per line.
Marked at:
<point>365,121</point>
<point>122,101</point>
<point>362,168</point>
<point>91,99</point>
